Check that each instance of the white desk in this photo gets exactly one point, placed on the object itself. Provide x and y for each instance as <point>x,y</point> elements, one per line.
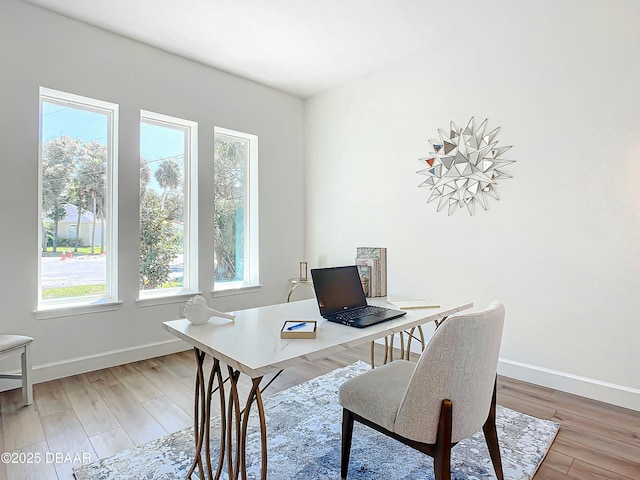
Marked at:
<point>252,345</point>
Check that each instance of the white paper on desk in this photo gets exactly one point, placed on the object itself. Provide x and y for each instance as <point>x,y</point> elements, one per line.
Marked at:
<point>409,304</point>
<point>307,327</point>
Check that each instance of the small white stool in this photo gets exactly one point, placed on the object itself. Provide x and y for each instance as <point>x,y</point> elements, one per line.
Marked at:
<point>19,344</point>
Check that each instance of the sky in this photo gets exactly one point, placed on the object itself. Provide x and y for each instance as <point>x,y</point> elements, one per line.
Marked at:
<point>156,142</point>
<point>58,120</point>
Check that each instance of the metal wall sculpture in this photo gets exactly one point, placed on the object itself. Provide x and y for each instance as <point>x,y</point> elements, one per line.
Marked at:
<point>464,167</point>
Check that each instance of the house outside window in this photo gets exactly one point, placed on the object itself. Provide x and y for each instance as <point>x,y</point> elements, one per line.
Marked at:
<point>168,205</point>
<point>77,208</point>
<point>235,210</point>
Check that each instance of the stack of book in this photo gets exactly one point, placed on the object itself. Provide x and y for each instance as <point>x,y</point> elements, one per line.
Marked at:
<point>372,266</point>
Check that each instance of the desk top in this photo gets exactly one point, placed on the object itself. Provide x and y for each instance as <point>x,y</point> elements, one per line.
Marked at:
<point>252,343</point>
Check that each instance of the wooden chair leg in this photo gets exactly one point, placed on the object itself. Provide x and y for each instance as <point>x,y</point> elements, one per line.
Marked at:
<point>347,434</point>
<point>491,436</point>
<point>442,451</point>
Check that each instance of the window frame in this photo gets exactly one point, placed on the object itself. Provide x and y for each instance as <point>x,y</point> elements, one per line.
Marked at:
<point>190,228</point>
<point>111,110</point>
<point>251,248</point>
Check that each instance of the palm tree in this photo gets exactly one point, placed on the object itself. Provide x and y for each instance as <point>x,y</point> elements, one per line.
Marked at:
<point>59,156</point>
<point>145,176</point>
<point>229,156</point>
<point>100,214</point>
<point>169,177</point>
<point>94,181</point>
<point>80,200</point>
<point>83,181</point>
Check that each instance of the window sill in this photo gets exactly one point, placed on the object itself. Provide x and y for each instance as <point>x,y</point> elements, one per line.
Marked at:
<point>165,298</point>
<point>235,288</point>
<point>68,310</point>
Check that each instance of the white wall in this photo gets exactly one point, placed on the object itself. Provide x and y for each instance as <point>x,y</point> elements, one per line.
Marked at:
<point>561,247</point>
<point>39,48</point>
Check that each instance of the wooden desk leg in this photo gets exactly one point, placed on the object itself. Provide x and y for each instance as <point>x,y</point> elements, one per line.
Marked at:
<point>233,426</point>
<point>223,420</point>
<point>373,355</point>
<point>238,428</point>
<point>198,415</point>
<point>254,395</point>
<point>439,322</point>
<point>202,418</point>
<point>411,336</point>
<point>234,423</point>
<point>405,350</point>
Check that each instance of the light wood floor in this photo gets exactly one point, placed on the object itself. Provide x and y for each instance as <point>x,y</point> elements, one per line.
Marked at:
<point>100,413</point>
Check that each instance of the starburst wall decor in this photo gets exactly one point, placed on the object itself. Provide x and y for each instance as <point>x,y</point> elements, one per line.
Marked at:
<point>464,167</point>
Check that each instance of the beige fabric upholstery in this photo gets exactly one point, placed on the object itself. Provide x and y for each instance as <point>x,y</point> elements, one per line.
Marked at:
<point>458,364</point>
<point>377,394</point>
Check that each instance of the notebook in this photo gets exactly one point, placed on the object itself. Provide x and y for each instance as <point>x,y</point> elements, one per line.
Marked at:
<point>341,298</point>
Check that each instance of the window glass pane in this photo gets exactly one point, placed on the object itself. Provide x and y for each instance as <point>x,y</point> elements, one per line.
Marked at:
<point>163,156</point>
<point>75,146</point>
<point>230,167</point>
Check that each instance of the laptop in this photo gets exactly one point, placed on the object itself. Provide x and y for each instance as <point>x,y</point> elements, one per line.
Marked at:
<point>341,298</point>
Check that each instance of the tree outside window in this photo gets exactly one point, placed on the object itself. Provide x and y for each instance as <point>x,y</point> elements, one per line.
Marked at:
<point>76,157</point>
<point>167,204</point>
<point>235,209</point>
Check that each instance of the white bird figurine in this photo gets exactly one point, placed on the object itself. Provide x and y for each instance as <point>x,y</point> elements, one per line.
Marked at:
<point>198,312</point>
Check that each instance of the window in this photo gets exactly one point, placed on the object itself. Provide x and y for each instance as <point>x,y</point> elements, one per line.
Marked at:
<point>77,208</point>
<point>235,209</point>
<point>168,205</point>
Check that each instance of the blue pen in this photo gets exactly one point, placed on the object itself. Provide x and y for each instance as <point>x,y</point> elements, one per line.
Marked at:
<point>297,325</point>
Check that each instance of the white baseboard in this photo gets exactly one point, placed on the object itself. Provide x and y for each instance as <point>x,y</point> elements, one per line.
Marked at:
<point>585,387</point>
<point>89,363</point>
<point>620,395</point>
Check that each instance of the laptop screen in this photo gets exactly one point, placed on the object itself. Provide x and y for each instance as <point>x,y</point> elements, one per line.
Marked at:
<point>338,288</point>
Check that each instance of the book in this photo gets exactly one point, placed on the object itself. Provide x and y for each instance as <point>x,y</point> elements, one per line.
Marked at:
<point>409,304</point>
<point>380,273</point>
<point>367,268</point>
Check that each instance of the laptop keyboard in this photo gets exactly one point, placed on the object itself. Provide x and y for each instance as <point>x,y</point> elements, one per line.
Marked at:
<point>358,312</point>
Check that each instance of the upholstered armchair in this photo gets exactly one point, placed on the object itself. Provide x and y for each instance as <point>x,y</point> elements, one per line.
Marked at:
<point>431,405</point>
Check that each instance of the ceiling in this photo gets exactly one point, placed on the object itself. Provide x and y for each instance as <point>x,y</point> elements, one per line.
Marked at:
<point>303,47</point>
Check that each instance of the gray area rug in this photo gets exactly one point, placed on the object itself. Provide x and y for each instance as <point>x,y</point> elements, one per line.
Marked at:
<point>304,426</point>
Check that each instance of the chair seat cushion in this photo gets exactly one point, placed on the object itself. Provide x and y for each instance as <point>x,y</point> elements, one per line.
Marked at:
<point>9,342</point>
<point>376,394</point>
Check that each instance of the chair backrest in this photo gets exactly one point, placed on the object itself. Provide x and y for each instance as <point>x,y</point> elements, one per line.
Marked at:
<point>459,364</point>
